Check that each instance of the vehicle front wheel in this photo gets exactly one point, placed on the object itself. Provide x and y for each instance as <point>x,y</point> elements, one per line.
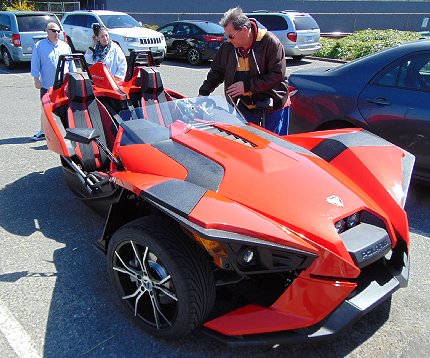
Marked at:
<point>194,56</point>
<point>162,277</point>
<point>7,59</point>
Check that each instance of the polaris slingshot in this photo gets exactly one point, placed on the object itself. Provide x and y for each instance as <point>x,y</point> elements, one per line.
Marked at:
<point>212,221</point>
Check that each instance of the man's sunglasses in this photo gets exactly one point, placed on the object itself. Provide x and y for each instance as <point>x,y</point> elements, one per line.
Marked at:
<point>54,30</point>
<point>231,37</point>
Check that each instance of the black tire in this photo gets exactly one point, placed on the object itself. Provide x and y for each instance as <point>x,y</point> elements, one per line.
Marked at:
<point>162,277</point>
<point>180,48</point>
<point>7,59</point>
<point>298,58</point>
<point>194,56</point>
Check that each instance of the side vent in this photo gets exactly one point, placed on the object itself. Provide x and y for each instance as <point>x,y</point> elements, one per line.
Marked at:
<point>231,136</point>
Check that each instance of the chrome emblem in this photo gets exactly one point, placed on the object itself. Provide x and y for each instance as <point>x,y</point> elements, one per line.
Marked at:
<point>335,200</point>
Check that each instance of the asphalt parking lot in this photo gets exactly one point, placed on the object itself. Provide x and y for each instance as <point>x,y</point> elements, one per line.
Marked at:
<point>55,298</point>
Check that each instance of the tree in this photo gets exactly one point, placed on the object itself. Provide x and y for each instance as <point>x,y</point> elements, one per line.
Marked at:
<point>17,5</point>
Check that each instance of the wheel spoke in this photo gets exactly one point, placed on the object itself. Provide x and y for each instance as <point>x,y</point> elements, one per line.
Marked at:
<point>142,265</point>
<point>132,295</point>
<point>156,308</point>
<point>166,291</point>
<point>131,272</point>
<point>137,301</point>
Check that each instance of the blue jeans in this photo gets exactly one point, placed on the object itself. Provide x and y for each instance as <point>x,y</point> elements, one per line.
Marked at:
<point>276,121</point>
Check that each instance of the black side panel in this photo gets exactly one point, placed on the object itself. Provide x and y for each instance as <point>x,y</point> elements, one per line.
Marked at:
<point>176,195</point>
<point>143,132</point>
<point>330,148</point>
<point>279,141</point>
<point>202,171</point>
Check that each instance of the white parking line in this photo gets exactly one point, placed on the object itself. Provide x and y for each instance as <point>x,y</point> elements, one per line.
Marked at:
<point>15,334</point>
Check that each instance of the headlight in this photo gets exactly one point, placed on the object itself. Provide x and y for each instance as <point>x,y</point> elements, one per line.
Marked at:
<point>340,226</point>
<point>353,219</point>
<point>130,39</point>
<point>247,255</point>
<point>347,223</point>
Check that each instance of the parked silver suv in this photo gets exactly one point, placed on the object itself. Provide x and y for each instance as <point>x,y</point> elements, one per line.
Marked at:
<point>297,31</point>
<point>19,31</point>
<point>123,29</point>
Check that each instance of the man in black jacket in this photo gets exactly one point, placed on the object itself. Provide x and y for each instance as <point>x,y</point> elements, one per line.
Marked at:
<point>252,66</point>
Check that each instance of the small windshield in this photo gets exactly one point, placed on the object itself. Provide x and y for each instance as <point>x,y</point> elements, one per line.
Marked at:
<point>119,21</point>
<point>188,113</point>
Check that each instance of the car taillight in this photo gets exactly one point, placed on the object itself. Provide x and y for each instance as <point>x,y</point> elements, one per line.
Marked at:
<point>16,40</point>
<point>292,36</point>
<point>292,90</point>
<point>65,37</point>
<point>210,38</point>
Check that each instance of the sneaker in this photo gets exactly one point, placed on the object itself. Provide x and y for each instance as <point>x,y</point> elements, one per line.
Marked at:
<point>38,136</point>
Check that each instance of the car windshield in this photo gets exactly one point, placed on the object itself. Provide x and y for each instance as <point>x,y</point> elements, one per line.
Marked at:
<point>119,21</point>
<point>211,28</point>
<point>32,23</point>
<point>303,22</point>
<point>187,113</point>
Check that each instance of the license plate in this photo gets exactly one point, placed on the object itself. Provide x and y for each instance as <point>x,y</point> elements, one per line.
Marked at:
<point>309,38</point>
<point>153,49</point>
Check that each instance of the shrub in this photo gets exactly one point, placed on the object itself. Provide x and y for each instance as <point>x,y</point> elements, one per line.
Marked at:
<point>362,43</point>
<point>152,27</point>
<point>17,5</point>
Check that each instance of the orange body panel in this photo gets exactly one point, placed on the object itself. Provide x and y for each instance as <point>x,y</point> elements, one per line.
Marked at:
<point>216,212</point>
<point>149,160</point>
<point>306,302</point>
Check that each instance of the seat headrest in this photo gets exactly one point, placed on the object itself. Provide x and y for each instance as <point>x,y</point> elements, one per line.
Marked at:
<point>150,80</point>
<point>79,88</point>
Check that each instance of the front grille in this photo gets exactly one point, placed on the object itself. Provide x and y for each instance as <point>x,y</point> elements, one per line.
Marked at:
<point>151,41</point>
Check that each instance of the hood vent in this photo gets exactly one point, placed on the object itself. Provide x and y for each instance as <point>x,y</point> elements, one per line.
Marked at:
<point>222,133</point>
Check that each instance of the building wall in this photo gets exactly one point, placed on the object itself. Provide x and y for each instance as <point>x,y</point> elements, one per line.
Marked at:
<point>335,15</point>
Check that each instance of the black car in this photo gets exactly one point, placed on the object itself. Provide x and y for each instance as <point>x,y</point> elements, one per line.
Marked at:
<point>387,93</point>
<point>194,40</point>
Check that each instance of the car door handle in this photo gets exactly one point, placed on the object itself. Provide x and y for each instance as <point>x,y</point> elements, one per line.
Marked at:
<point>379,100</point>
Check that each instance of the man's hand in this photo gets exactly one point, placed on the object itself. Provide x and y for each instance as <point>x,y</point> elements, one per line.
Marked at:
<point>236,89</point>
<point>37,83</point>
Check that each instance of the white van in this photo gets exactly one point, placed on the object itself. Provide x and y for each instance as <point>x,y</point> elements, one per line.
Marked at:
<point>123,29</point>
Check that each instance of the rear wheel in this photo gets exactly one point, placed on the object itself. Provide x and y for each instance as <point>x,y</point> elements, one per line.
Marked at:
<point>162,277</point>
<point>194,56</point>
<point>7,59</point>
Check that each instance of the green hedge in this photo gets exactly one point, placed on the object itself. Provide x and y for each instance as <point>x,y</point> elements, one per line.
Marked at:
<point>362,43</point>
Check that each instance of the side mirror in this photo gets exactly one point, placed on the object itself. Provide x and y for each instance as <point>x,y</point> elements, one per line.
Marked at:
<point>82,135</point>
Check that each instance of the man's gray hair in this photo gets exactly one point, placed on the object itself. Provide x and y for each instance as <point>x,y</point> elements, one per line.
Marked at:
<point>236,17</point>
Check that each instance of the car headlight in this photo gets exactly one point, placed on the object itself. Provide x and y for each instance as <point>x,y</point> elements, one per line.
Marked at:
<point>347,223</point>
<point>352,220</point>
<point>130,39</point>
<point>340,226</point>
